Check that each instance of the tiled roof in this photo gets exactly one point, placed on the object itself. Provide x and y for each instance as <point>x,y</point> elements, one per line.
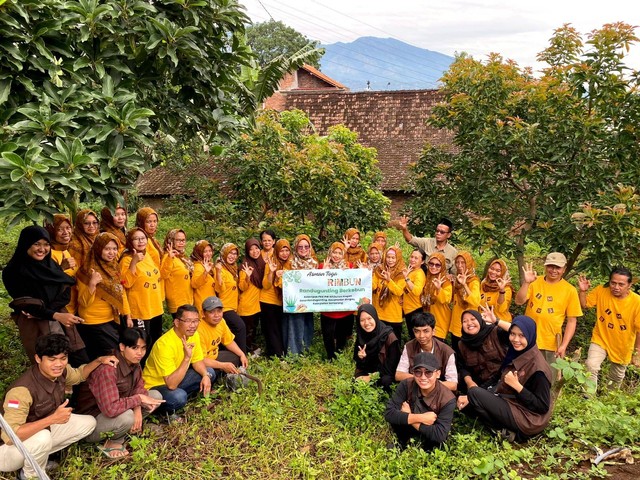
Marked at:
<point>317,73</point>
<point>394,122</point>
<point>162,181</point>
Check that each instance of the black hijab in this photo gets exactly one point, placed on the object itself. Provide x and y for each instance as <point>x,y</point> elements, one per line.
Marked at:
<point>43,279</point>
<point>374,340</point>
<point>474,342</point>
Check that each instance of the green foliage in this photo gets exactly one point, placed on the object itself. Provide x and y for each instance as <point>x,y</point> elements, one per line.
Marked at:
<point>356,403</point>
<point>272,39</point>
<point>84,86</point>
<point>530,152</point>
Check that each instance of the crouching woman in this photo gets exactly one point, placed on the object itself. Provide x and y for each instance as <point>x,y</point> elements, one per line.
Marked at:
<point>520,404</point>
<point>422,407</point>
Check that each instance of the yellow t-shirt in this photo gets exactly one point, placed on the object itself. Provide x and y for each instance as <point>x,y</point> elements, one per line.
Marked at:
<point>411,299</point>
<point>58,256</point>
<point>491,299</point>
<point>228,293</point>
<point>202,284</point>
<point>93,309</point>
<point>143,288</point>
<point>249,302</point>
<point>617,323</point>
<point>167,355</point>
<point>177,283</point>
<point>268,294</point>
<point>211,338</point>
<point>549,304</point>
<point>473,301</point>
<point>441,310</point>
<point>392,310</point>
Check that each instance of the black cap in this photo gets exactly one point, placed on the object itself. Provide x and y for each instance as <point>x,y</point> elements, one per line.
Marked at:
<point>447,222</point>
<point>426,360</point>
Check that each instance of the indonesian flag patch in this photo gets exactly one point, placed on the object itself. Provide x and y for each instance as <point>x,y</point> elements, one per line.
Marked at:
<point>13,404</point>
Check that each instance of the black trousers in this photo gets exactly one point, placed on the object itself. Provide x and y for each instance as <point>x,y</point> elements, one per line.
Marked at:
<point>490,409</point>
<point>99,339</point>
<point>335,332</point>
<point>408,318</point>
<point>397,329</point>
<point>237,327</point>
<point>271,326</point>
<point>250,323</point>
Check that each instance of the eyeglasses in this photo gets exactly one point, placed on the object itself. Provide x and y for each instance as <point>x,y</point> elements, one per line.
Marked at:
<point>433,264</point>
<point>423,373</point>
<point>139,239</point>
<point>180,240</point>
<point>303,247</point>
<point>90,223</point>
<point>190,321</point>
<point>441,231</point>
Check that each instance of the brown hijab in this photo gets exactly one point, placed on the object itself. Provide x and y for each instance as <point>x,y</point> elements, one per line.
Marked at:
<point>81,242</point>
<point>307,262</point>
<point>491,286</point>
<point>171,239</point>
<point>258,264</point>
<point>471,271</point>
<point>52,227</point>
<point>197,255</point>
<point>107,225</point>
<point>429,292</point>
<point>395,272</point>
<point>141,216</point>
<point>224,253</point>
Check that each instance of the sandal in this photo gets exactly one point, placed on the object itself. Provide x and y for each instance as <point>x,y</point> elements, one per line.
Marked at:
<point>108,452</point>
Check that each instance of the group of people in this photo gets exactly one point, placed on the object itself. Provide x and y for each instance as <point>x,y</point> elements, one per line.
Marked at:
<point>92,293</point>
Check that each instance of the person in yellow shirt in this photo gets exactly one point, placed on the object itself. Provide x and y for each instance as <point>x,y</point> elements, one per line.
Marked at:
<point>226,286</point>
<point>176,366</point>
<point>415,279</point>
<point>60,231</point>
<point>176,270</point>
<point>550,300</point>
<point>271,298</point>
<point>616,333</point>
<point>147,220</point>
<point>437,294</point>
<point>203,272</point>
<point>250,285</point>
<point>496,290</point>
<point>213,331</point>
<point>388,285</point>
<point>466,294</point>
<point>141,279</point>
<point>85,231</point>
<point>101,298</point>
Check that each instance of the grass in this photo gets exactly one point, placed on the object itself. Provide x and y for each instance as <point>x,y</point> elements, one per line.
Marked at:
<point>313,421</point>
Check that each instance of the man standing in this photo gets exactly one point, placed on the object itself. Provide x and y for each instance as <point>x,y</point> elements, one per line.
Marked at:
<point>550,300</point>
<point>176,365</point>
<point>213,332</point>
<point>421,406</point>
<point>616,333</point>
<point>36,409</point>
<point>440,243</point>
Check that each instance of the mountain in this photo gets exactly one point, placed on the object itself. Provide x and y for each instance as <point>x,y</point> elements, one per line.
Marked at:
<point>386,63</point>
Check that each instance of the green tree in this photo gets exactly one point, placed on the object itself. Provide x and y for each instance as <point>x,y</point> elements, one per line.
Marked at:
<point>85,85</point>
<point>531,151</point>
<point>283,167</point>
<point>272,39</point>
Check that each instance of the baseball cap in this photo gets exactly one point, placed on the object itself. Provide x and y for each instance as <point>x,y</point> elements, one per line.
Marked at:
<point>211,303</point>
<point>426,360</point>
<point>556,258</point>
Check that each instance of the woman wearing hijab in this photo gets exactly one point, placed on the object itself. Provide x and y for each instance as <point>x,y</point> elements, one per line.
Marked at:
<point>203,273</point>
<point>147,219</point>
<point>299,326</point>
<point>466,294</point>
<point>336,326</point>
<point>271,314</point>
<point>437,293</point>
<point>85,231</point>
<point>101,297</point>
<point>141,279</point>
<point>482,349</point>
<point>250,285</point>
<point>40,291</point>
<point>176,270</point>
<point>377,349</point>
<point>388,286</point>
<point>374,256</point>
<point>520,404</point>
<point>226,287</point>
<point>496,290</point>
<point>116,224</point>
<point>381,239</point>
<point>355,253</point>
<point>60,232</point>
<point>415,280</point>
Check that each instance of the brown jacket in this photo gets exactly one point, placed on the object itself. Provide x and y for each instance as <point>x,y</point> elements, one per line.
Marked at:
<point>441,350</point>
<point>484,363</point>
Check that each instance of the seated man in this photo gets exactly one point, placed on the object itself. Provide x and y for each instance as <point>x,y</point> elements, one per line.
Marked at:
<point>421,406</point>
<point>36,409</point>
<point>117,397</point>
<point>176,366</point>
<point>423,328</point>
<point>214,331</point>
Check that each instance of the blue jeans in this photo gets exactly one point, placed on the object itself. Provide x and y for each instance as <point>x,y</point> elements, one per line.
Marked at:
<point>299,332</point>
<point>177,399</point>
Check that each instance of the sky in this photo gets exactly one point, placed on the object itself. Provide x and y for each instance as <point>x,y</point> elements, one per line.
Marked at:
<point>518,30</point>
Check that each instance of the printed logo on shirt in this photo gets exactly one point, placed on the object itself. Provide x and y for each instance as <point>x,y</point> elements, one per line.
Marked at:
<point>13,404</point>
<point>146,285</point>
<point>155,286</point>
<point>610,325</point>
<point>550,310</point>
<point>549,298</point>
<point>601,318</point>
<point>538,296</point>
<point>619,316</point>
<point>623,327</point>
<point>539,310</point>
<point>608,311</point>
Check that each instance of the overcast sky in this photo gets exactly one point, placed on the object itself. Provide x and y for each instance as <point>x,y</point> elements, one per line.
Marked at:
<point>518,30</point>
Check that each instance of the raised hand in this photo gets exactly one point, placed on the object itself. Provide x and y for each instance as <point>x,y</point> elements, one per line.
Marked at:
<point>187,347</point>
<point>503,281</point>
<point>325,264</point>
<point>362,352</point>
<point>529,273</point>
<point>439,281</point>
<point>462,277</point>
<point>345,241</point>
<point>403,221</point>
<point>247,269</point>
<point>171,251</point>
<point>488,315</point>
<point>62,414</point>
<point>583,283</point>
<point>95,279</point>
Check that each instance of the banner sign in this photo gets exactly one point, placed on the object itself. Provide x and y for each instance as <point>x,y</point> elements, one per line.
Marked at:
<point>325,290</point>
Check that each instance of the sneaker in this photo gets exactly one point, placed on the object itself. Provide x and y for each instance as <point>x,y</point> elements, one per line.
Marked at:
<point>508,435</point>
